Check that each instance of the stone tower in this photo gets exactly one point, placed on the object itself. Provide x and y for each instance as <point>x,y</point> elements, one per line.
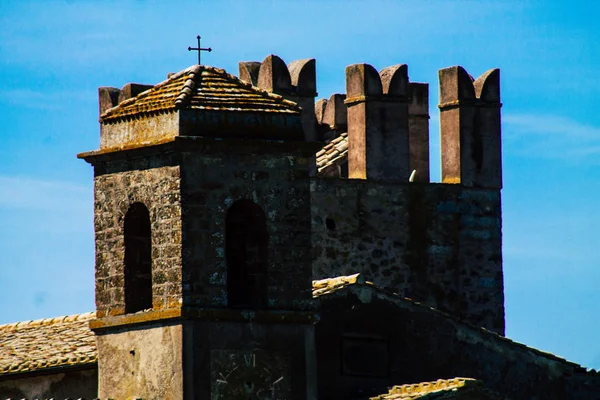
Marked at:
<point>437,243</point>
<point>203,239</point>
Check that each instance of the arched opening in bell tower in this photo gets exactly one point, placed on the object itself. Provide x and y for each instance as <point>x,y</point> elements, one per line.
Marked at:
<point>246,251</point>
<point>138,259</point>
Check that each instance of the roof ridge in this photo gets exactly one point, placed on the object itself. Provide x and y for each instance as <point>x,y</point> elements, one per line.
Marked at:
<point>188,86</point>
<point>249,86</point>
<point>48,321</point>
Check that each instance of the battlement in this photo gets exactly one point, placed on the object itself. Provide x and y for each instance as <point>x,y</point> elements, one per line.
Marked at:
<point>109,97</point>
<point>332,116</point>
<point>470,126</point>
<point>296,82</point>
<point>385,119</point>
<point>377,104</point>
<point>388,127</point>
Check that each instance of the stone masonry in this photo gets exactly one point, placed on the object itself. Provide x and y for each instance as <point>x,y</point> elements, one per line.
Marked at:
<point>241,222</point>
<point>437,243</point>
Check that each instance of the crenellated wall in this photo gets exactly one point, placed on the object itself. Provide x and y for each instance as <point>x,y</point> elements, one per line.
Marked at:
<point>437,243</point>
<point>470,126</point>
<point>332,117</point>
<point>296,82</point>
<point>378,145</point>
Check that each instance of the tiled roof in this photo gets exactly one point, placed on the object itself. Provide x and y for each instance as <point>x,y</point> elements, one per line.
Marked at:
<point>203,88</point>
<point>333,153</point>
<point>440,389</point>
<point>330,285</point>
<point>46,343</point>
<point>68,341</point>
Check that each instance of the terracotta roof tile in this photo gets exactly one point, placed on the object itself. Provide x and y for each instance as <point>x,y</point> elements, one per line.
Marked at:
<point>442,388</point>
<point>68,341</point>
<point>330,285</point>
<point>333,153</point>
<point>203,88</point>
<point>44,343</point>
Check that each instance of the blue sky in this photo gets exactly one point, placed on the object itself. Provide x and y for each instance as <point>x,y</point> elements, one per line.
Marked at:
<point>54,55</point>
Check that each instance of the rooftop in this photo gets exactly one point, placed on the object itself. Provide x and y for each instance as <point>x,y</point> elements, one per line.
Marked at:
<point>333,153</point>
<point>46,343</point>
<point>440,389</point>
<point>202,88</point>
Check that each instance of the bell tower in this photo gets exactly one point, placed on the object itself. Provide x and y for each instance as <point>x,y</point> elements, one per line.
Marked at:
<point>203,235</point>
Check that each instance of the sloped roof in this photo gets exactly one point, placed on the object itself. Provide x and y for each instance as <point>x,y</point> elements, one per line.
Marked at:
<point>333,153</point>
<point>338,286</point>
<point>203,88</point>
<point>68,341</point>
<point>46,343</point>
<point>456,388</point>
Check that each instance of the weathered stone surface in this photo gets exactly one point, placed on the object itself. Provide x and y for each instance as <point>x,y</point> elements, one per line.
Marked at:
<point>378,139</point>
<point>108,97</point>
<point>140,131</point>
<point>336,113</point>
<point>150,358</point>
<point>117,185</point>
<point>131,90</point>
<point>436,243</point>
<point>296,82</point>
<point>248,71</point>
<point>277,181</point>
<point>470,126</point>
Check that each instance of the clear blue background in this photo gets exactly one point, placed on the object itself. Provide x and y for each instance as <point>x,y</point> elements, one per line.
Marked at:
<point>54,55</point>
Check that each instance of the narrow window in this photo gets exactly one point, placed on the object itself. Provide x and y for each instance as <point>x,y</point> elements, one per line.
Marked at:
<point>138,259</point>
<point>246,250</point>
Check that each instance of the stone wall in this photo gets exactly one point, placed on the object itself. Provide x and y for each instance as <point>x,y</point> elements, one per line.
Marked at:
<point>436,243</point>
<point>154,181</point>
<point>410,343</point>
<point>73,383</point>
<point>274,177</point>
<point>242,360</point>
<point>141,363</point>
<point>139,130</point>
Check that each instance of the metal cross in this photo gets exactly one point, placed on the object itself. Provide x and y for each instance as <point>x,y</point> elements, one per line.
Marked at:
<point>199,49</point>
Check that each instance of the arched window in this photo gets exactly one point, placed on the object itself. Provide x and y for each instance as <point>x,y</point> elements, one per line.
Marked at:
<point>246,248</point>
<point>138,259</point>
